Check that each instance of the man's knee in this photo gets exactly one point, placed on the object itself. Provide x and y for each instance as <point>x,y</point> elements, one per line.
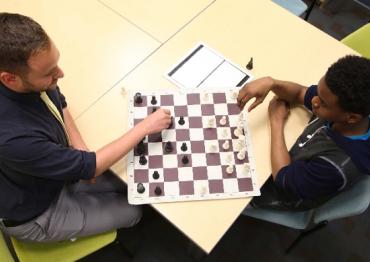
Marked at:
<point>134,213</point>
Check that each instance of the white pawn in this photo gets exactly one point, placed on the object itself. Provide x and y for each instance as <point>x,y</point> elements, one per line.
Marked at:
<point>241,155</point>
<point>229,158</point>
<point>226,145</point>
<point>205,97</point>
<point>230,169</point>
<point>203,190</point>
<point>211,122</point>
<point>225,133</point>
<point>212,148</point>
<point>246,167</point>
<point>237,132</point>
<point>234,95</point>
<point>223,121</point>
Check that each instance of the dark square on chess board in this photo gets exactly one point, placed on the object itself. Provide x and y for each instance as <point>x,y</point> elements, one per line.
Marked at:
<point>163,177</point>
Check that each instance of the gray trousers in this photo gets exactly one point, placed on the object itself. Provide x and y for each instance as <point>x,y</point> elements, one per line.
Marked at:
<point>82,209</point>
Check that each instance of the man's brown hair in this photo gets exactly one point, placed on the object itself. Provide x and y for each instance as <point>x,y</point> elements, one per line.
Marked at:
<point>20,37</point>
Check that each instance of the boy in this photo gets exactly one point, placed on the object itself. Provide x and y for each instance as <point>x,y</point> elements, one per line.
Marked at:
<point>334,149</point>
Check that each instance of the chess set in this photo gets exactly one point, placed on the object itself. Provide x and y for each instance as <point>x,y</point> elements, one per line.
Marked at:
<point>205,153</point>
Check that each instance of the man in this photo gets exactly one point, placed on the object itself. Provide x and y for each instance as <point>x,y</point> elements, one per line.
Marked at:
<point>43,159</point>
<point>334,149</point>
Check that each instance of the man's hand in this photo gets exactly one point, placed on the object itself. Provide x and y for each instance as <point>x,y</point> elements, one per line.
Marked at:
<point>278,111</point>
<point>157,121</point>
<point>257,89</point>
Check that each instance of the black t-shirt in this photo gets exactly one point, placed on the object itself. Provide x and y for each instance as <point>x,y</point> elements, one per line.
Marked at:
<point>35,159</point>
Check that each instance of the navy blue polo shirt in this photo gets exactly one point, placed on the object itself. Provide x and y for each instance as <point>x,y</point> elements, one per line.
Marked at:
<point>35,159</point>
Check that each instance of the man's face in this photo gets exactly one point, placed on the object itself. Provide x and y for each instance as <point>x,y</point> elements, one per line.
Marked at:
<point>43,70</point>
<point>325,104</point>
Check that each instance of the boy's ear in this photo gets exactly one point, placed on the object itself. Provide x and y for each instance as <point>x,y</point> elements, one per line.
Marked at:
<point>353,118</point>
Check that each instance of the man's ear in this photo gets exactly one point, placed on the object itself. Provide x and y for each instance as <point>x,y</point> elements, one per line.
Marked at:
<point>9,79</point>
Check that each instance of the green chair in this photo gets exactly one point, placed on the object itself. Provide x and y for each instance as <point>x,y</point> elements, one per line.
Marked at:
<point>5,255</point>
<point>359,40</point>
<point>63,251</point>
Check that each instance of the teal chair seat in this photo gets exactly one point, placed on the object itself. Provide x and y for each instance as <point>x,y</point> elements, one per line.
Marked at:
<point>296,7</point>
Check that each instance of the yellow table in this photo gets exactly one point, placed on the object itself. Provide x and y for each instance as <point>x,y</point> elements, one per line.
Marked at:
<point>159,18</point>
<point>282,46</point>
<point>98,48</point>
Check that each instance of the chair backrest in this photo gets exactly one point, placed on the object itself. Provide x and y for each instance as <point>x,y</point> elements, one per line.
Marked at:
<point>359,40</point>
<point>350,202</point>
<point>5,255</point>
<point>296,7</point>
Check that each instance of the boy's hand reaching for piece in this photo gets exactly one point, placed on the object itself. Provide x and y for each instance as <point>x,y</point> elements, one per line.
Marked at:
<point>257,89</point>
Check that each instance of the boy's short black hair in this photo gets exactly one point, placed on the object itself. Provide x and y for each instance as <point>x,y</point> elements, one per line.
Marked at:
<point>349,80</point>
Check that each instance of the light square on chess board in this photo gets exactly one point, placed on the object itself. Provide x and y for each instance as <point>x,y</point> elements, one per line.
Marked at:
<point>205,154</point>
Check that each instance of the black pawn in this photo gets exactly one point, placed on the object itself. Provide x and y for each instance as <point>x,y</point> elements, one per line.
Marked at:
<point>154,109</point>
<point>153,101</point>
<point>140,188</point>
<point>181,120</point>
<point>184,147</point>
<point>142,160</point>
<point>168,147</point>
<point>155,175</point>
<point>157,191</point>
<point>249,66</point>
<point>138,98</point>
<point>185,160</point>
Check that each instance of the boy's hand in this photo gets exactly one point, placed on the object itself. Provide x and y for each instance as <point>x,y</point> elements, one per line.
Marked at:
<point>278,110</point>
<point>157,121</point>
<point>258,89</point>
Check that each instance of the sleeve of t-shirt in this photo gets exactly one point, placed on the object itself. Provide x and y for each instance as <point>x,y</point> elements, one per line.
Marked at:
<point>36,156</point>
<point>310,93</point>
<point>310,179</point>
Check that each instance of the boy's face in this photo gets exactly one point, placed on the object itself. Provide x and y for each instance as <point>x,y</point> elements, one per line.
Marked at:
<point>43,70</point>
<point>325,104</point>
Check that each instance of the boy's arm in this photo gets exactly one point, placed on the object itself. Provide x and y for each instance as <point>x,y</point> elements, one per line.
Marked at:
<point>278,112</point>
<point>289,91</point>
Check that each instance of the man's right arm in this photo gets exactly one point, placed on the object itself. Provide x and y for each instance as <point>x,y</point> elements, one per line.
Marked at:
<point>259,88</point>
<point>112,152</point>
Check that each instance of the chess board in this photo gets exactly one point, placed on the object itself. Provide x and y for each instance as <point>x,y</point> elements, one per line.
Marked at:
<point>205,176</point>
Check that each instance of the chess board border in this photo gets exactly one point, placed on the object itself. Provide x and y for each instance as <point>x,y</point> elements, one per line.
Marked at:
<point>138,200</point>
<point>188,55</point>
